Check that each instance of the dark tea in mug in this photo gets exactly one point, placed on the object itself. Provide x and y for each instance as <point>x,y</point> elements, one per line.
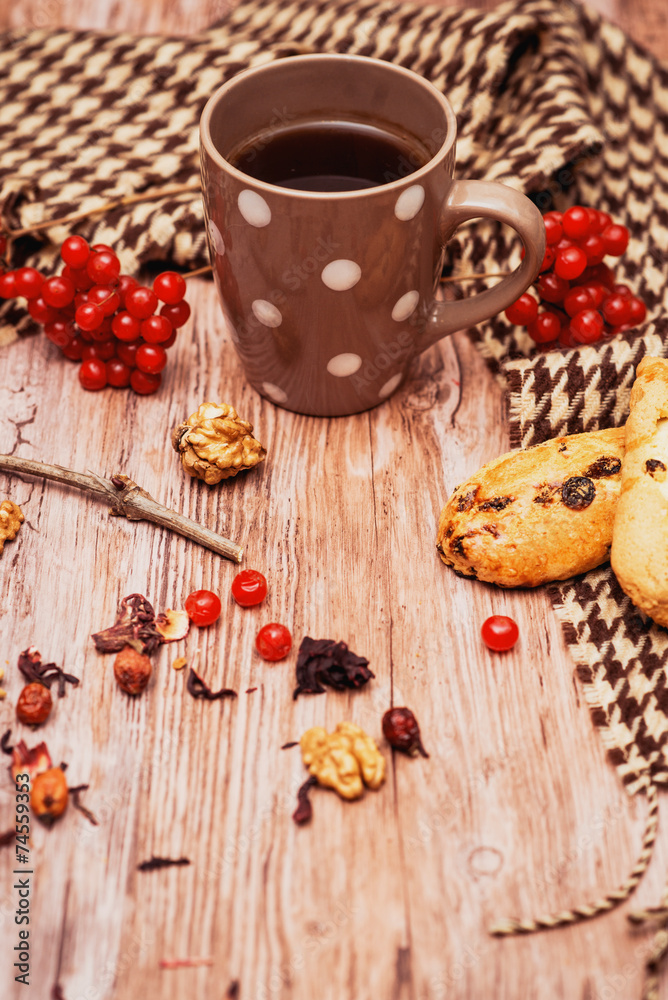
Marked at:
<point>317,155</point>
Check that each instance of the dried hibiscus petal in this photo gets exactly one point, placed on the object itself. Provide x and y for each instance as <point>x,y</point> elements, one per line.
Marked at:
<point>36,672</point>
<point>199,689</point>
<point>323,661</point>
<point>134,626</point>
<point>304,810</point>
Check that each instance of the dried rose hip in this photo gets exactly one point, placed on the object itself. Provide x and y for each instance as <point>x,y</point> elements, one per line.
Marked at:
<point>132,670</point>
<point>34,704</point>
<point>401,730</point>
<point>49,794</point>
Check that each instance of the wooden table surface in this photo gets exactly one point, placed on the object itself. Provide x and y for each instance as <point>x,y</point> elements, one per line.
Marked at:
<point>516,811</point>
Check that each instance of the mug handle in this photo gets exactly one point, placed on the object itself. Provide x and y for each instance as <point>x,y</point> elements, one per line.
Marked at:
<point>487,200</point>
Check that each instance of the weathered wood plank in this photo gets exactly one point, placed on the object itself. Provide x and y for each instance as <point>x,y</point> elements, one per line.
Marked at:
<point>515,812</point>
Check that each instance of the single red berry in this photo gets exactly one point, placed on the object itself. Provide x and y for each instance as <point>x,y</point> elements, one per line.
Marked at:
<point>545,328</point>
<point>125,284</point>
<point>565,243</point>
<point>40,312</point>
<point>523,311</point>
<point>8,285</point>
<point>103,268</point>
<point>273,641</point>
<point>638,311</point>
<point>28,282</point>
<point>570,263</point>
<point>127,351</point>
<point>75,251</point>
<point>557,216</point>
<point>93,374</point>
<point>552,288</point>
<point>73,351</point>
<point>553,230</point>
<point>548,259</point>
<point>141,302</point>
<point>106,298</point>
<point>596,290</point>
<point>575,222</point>
<point>59,333</point>
<point>599,272</point>
<point>100,247</point>
<point>151,358</point>
<point>177,315</point>
<point>587,326</point>
<point>499,632</point>
<point>594,248</point>
<point>103,332</point>
<point>203,607</point>
<point>125,327</point>
<point>89,316</point>
<point>578,299</point>
<point>617,310</point>
<point>156,329</point>
<point>615,239</point>
<point>249,587</point>
<point>623,290</point>
<point>170,287</point>
<point>58,291</point>
<point>103,351</point>
<point>118,373</point>
<point>79,275</point>
<point>143,383</point>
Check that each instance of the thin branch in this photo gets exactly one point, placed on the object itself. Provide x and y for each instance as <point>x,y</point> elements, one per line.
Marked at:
<point>127,500</point>
<point>108,206</point>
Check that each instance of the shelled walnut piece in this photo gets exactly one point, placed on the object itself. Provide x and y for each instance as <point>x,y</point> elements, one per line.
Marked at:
<point>214,443</point>
<point>11,519</point>
<point>344,760</point>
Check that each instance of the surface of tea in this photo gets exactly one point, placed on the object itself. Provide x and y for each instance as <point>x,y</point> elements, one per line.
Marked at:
<point>329,156</point>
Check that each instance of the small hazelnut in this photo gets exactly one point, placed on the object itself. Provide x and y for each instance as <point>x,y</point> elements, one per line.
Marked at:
<point>48,796</point>
<point>34,704</point>
<point>132,670</point>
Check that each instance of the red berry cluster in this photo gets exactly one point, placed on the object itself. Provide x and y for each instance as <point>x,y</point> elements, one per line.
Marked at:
<point>102,318</point>
<point>581,301</point>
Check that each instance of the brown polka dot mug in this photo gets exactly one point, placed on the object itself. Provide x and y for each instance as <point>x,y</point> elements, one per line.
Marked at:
<point>329,196</point>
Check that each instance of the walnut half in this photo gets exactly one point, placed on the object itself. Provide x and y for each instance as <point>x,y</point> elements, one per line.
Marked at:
<point>344,760</point>
<point>11,519</point>
<point>215,444</point>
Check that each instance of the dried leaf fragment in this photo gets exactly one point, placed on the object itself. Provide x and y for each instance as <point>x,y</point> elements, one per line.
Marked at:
<point>34,761</point>
<point>172,625</point>
<point>214,443</point>
<point>345,760</point>
<point>11,519</point>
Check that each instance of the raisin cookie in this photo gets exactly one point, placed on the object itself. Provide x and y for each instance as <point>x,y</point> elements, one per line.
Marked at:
<point>640,534</point>
<point>537,515</point>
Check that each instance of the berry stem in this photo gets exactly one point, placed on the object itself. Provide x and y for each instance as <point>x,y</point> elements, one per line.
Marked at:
<point>133,199</point>
<point>128,500</point>
<point>474,277</point>
<point>196,273</point>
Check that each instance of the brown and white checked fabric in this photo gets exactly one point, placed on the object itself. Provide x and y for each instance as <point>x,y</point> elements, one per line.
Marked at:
<point>548,97</point>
